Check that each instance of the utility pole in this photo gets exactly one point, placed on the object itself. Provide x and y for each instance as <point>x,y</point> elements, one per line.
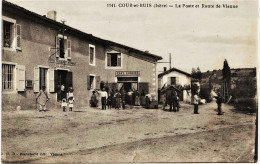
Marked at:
<point>170,61</point>
<point>170,56</point>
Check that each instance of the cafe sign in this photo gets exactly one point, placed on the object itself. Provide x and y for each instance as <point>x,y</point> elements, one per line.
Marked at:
<point>62,62</point>
<point>127,73</point>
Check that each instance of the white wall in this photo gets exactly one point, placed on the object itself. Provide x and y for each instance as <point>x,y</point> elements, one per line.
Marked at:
<point>183,79</point>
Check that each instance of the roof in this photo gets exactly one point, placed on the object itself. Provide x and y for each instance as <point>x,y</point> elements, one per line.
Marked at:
<point>106,42</point>
<point>172,70</point>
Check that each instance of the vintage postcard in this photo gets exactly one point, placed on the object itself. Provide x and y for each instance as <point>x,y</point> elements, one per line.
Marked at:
<point>112,81</point>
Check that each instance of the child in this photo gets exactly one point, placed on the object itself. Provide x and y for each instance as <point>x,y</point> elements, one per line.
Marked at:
<point>70,101</point>
<point>41,99</point>
<point>70,98</point>
<point>64,104</point>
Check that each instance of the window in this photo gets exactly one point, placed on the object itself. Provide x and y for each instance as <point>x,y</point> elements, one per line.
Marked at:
<point>114,59</point>
<point>8,34</point>
<point>92,54</point>
<point>43,77</point>
<point>7,77</point>
<point>91,82</point>
<point>63,46</point>
<point>11,33</point>
<point>173,80</point>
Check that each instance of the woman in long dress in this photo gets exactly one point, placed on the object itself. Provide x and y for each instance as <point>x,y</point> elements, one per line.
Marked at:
<point>41,99</point>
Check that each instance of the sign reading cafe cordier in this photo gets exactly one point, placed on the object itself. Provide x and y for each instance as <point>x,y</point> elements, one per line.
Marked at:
<point>127,73</point>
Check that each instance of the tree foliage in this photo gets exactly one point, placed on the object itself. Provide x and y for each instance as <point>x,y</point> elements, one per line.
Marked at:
<point>226,72</point>
<point>196,73</point>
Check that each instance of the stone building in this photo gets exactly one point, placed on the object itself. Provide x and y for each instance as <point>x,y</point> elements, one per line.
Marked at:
<point>176,77</point>
<point>39,51</point>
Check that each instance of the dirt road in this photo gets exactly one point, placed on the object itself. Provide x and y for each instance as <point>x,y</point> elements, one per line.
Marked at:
<point>132,135</point>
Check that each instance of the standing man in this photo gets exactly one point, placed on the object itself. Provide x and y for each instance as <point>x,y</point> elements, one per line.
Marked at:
<point>196,103</point>
<point>219,102</point>
<point>123,98</point>
<point>104,96</point>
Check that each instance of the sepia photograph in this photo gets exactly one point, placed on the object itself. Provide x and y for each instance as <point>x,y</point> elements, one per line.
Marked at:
<point>129,81</point>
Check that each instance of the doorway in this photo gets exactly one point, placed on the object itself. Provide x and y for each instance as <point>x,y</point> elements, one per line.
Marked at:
<point>63,80</point>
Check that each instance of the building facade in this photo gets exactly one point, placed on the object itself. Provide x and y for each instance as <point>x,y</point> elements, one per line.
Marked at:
<point>176,78</point>
<point>39,51</point>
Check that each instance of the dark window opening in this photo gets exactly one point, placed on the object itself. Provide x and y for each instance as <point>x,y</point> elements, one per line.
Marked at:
<point>62,48</point>
<point>114,59</point>
<point>92,83</point>
<point>7,34</point>
<point>43,77</point>
<point>173,80</point>
<point>91,54</point>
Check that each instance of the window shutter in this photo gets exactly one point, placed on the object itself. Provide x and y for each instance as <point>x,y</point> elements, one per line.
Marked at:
<point>143,86</point>
<point>51,82</point>
<point>57,46</point>
<point>18,37</point>
<point>56,81</point>
<point>69,49</point>
<point>108,59</point>
<point>20,76</point>
<point>97,82</point>
<point>36,84</point>
<point>88,82</point>
<point>69,80</point>
<point>65,42</point>
<point>119,60</point>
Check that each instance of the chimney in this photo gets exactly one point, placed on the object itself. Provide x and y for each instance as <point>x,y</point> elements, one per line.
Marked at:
<point>52,15</point>
<point>164,69</point>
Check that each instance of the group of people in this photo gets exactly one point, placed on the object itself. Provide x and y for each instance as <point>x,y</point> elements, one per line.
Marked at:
<point>171,99</point>
<point>117,99</point>
<point>67,99</point>
<point>196,101</point>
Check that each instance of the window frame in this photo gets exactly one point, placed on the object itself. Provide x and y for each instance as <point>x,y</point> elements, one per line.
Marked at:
<point>14,78</point>
<point>60,36</point>
<point>111,67</point>
<point>94,54</point>
<point>13,35</point>
<point>47,77</point>
<point>175,80</point>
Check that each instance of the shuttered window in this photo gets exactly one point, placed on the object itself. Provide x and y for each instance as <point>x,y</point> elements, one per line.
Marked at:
<point>7,77</point>
<point>114,59</point>
<point>43,77</point>
<point>8,35</point>
<point>91,82</point>
<point>63,47</point>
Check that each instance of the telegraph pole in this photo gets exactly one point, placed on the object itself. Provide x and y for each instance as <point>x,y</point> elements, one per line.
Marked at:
<point>170,61</point>
<point>170,56</point>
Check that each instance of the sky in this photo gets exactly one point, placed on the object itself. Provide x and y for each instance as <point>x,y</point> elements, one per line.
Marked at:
<point>195,37</point>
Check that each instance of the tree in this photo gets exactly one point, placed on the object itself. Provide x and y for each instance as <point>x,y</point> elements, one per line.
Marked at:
<point>196,73</point>
<point>226,72</point>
